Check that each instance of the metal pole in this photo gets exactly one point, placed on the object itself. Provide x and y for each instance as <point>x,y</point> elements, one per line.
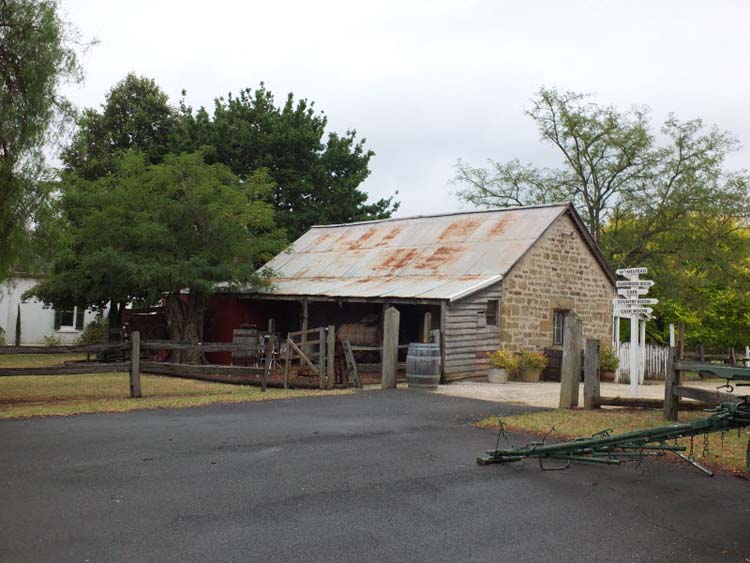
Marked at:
<point>671,336</point>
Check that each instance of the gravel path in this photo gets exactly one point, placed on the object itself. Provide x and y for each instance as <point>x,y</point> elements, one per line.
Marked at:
<point>547,393</point>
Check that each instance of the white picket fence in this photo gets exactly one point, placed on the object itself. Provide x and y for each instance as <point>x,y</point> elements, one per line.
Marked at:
<point>653,359</point>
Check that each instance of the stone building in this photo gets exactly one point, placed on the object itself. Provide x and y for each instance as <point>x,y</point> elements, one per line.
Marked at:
<point>490,279</point>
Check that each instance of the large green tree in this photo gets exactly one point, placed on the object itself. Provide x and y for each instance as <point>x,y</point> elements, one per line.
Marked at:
<point>317,175</point>
<point>662,199</point>
<point>36,58</point>
<point>135,115</point>
<point>612,161</point>
<point>175,229</point>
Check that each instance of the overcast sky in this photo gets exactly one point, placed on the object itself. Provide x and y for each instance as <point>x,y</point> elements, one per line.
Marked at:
<point>429,82</point>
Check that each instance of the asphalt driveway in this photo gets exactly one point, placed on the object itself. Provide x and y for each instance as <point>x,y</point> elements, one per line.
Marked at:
<point>375,476</point>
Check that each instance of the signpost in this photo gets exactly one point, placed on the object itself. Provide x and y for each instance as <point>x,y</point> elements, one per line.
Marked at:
<point>631,304</point>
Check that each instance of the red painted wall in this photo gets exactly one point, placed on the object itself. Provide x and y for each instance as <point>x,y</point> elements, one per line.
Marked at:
<point>223,315</point>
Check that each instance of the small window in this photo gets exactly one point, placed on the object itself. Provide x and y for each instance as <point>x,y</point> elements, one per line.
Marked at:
<point>69,318</point>
<point>558,326</point>
<point>493,312</point>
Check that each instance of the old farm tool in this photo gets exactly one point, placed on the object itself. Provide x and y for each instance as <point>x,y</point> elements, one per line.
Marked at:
<point>605,448</point>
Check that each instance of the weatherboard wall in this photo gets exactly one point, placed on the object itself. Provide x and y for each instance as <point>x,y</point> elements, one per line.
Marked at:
<point>468,338</point>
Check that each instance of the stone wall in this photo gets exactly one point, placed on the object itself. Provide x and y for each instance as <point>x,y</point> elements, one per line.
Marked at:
<point>558,272</point>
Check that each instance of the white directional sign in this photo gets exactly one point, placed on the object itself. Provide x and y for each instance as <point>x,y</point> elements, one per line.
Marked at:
<point>645,301</point>
<point>633,305</point>
<point>635,283</point>
<point>634,311</point>
<point>626,292</point>
<point>632,272</point>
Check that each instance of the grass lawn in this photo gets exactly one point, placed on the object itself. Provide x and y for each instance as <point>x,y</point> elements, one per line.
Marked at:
<point>39,395</point>
<point>37,360</point>
<point>729,457</point>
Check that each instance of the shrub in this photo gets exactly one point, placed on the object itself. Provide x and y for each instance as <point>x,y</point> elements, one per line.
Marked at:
<point>95,332</point>
<point>608,360</point>
<point>52,341</point>
<point>2,336</point>
<point>504,360</point>
<point>532,359</point>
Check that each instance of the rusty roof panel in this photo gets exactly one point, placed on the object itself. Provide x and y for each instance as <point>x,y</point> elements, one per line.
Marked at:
<point>432,257</point>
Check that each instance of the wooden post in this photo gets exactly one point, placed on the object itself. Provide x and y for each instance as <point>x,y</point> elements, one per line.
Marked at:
<point>680,343</point>
<point>303,326</point>
<point>267,365</point>
<point>591,374</point>
<point>443,325</point>
<point>135,365</point>
<point>330,357</point>
<point>426,326</point>
<point>570,371</point>
<point>286,365</point>
<point>435,336</point>
<point>390,348</point>
<point>321,358</point>
<point>671,401</point>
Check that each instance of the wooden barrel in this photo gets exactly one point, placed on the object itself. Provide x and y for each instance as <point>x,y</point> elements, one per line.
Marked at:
<point>246,337</point>
<point>423,365</point>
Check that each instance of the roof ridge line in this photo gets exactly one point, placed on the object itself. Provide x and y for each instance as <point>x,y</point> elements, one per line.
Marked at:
<point>447,214</point>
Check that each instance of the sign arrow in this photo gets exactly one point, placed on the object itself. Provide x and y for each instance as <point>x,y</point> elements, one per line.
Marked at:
<point>625,292</point>
<point>631,271</point>
<point>633,311</point>
<point>635,283</point>
<point>646,301</point>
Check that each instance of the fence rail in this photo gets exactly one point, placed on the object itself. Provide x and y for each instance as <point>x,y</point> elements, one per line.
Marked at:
<point>86,349</point>
<point>135,366</point>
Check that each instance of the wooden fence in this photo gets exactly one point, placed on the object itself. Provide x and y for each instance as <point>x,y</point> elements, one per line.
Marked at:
<point>314,350</point>
<point>653,359</point>
<point>220,373</point>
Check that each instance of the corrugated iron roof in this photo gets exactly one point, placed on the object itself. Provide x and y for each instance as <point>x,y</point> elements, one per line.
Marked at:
<point>427,257</point>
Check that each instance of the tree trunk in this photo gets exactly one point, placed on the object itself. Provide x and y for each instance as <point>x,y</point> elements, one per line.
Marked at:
<point>185,313</point>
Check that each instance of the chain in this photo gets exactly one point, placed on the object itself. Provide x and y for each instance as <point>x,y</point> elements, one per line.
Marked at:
<point>722,438</point>
<point>706,452</point>
<point>690,453</point>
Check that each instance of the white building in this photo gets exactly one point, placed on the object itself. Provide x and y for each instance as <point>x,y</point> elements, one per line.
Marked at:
<point>37,322</point>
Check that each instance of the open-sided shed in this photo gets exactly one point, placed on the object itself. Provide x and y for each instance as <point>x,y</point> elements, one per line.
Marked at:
<point>488,279</point>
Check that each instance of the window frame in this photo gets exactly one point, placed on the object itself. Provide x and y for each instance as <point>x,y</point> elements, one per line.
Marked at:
<point>492,313</point>
<point>76,322</point>
<point>558,326</point>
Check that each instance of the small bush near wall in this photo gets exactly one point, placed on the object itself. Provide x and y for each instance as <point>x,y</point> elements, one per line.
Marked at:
<point>95,332</point>
<point>52,341</point>
<point>2,336</point>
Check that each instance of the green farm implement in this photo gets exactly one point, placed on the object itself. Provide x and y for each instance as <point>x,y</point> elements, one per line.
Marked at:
<point>605,448</point>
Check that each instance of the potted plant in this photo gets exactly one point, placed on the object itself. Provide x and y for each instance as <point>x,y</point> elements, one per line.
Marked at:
<point>531,365</point>
<point>608,362</point>
<point>502,364</point>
